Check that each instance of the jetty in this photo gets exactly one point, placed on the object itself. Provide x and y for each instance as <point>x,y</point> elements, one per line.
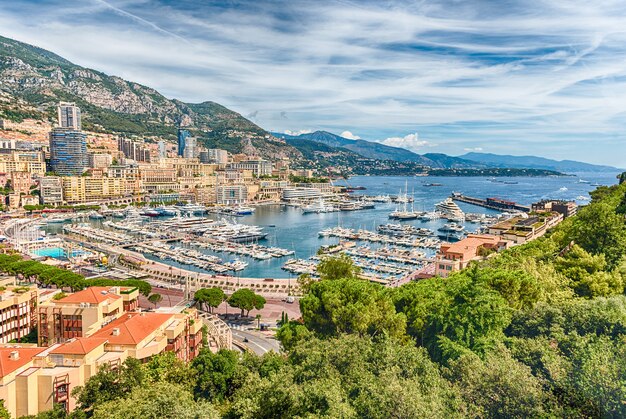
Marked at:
<point>491,203</point>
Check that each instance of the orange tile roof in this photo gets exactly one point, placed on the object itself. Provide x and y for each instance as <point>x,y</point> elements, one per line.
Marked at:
<point>79,346</point>
<point>133,327</point>
<point>8,365</point>
<point>469,246</point>
<point>91,295</point>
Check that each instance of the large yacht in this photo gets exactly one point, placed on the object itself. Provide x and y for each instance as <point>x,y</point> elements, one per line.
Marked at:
<point>450,210</point>
<point>318,207</point>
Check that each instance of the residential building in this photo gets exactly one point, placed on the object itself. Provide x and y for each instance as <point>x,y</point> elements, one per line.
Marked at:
<point>191,148</point>
<point>567,208</point>
<point>8,144</point>
<point>83,313</point>
<point>68,152</point>
<point>81,189</point>
<point>69,116</point>
<point>453,257</point>
<point>86,331</point>
<point>21,182</point>
<point>183,134</point>
<point>99,160</point>
<point>32,162</point>
<point>51,190</point>
<point>217,156</point>
<point>162,149</point>
<point>231,194</point>
<point>520,230</point>
<point>18,314</point>
<point>133,150</point>
<point>258,167</point>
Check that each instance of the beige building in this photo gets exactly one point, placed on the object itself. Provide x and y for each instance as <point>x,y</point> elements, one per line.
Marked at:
<point>19,161</point>
<point>51,190</point>
<point>453,257</point>
<point>520,230</point>
<point>21,181</point>
<point>17,311</point>
<point>83,313</point>
<point>79,189</point>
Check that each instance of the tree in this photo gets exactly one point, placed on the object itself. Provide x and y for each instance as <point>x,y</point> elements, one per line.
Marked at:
<point>160,400</point>
<point>500,387</point>
<point>600,230</point>
<point>333,307</point>
<point>218,375</point>
<point>155,299</point>
<point>4,413</point>
<point>109,384</point>
<point>246,300</point>
<point>211,297</point>
<point>337,267</point>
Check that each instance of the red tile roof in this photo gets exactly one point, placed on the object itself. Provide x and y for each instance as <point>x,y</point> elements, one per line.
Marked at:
<point>133,327</point>
<point>91,295</point>
<point>79,346</point>
<point>8,365</point>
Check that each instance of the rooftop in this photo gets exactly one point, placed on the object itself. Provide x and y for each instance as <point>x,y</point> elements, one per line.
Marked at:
<point>132,328</point>
<point>91,295</point>
<point>79,346</point>
<point>21,356</point>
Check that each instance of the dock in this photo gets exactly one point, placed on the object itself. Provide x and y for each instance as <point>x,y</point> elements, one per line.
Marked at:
<point>491,203</point>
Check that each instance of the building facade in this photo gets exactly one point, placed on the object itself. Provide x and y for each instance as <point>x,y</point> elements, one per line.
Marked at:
<point>68,152</point>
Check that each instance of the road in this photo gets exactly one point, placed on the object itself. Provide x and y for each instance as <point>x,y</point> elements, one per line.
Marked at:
<point>257,343</point>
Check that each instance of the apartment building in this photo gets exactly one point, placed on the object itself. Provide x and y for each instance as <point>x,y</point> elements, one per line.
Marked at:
<point>99,160</point>
<point>258,167</point>
<point>21,182</point>
<point>51,190</point>
<point>78,189</point>
<point>520,230</point>
<point>567,208</point>
<point>17,312</point>
<point>34,379</point>
<point>18,161</point>
<point>83,313</point>
<point>231,194</point>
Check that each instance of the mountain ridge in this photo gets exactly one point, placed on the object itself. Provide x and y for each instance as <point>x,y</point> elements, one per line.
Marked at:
<point>535,162</point>
<point>40,78</point>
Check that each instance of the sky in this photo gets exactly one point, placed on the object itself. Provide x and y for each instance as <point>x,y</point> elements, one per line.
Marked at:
<point>527,77</point>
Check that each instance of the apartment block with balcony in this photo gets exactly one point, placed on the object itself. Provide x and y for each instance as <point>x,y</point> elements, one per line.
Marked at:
<point>520,230</point>
<point>18,314</point>
<point>83,313</point>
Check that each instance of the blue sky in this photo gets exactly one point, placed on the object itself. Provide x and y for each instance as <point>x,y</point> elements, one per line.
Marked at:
<point>513,77</point>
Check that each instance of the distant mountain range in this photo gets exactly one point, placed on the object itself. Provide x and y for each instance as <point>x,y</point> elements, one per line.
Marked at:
<point>533,162</point>
<point>374,150</point>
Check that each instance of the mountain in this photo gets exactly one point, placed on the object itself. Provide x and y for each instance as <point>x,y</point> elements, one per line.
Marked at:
<point>374,150</point>
<point>533,162</point>
<point>33,81</point>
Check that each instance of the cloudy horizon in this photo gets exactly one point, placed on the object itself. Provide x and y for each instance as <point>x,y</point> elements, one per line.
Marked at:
<point>544,78</point>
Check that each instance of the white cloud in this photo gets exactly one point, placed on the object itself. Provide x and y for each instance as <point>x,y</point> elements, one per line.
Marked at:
<point>298,132</point>
<point>475,149</point>
<point>409,142</point>
<point>349,135</point>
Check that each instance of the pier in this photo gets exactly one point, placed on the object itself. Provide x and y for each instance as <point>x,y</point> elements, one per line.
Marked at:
<point>491,203</point>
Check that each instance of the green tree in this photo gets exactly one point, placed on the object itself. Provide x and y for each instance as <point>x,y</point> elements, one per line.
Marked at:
<point>600,230</point>
<point>157,401</point>
<point>217,375</point>
<point>246,300</point>
<point>155,299</point>
<point>351,306</point>
<point>209,297</point>
<point>4,413</point>
<point>337,267</point>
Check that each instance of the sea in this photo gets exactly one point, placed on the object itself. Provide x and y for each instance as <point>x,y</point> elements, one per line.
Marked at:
<point>289,228</point>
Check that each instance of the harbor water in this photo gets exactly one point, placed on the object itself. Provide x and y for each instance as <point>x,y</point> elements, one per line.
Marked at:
<point>287,227</point>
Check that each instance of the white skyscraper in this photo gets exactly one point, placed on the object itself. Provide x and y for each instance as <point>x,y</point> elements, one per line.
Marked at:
<point>162,150</point>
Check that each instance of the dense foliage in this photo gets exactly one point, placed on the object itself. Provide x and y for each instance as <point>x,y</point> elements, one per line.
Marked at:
<point>52,276</point>
<point>536,331</point>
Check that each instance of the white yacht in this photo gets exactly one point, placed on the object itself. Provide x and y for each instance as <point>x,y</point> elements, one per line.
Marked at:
<point>450,210</point>
<point>318,207</point>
